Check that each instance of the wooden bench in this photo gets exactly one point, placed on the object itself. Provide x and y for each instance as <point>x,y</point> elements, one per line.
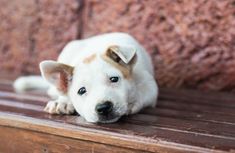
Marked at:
<point>184,121</point>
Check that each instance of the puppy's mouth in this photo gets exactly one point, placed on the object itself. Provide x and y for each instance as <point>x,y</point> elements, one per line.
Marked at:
<point>109,121</point>
<point>109,118</point>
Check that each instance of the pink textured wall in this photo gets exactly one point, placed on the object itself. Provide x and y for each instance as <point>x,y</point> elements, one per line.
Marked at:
<point>192,43</point>
<point>33,30</point>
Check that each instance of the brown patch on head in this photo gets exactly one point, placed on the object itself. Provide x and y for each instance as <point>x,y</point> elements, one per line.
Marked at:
<point>89,59</point>
<point>113,59</point>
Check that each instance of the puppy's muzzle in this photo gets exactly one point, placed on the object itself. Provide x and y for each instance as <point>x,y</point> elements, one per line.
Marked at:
<point>104,109</point>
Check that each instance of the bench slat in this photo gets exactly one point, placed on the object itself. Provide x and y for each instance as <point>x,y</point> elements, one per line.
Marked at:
<point>123,134</point>
<point>196,108</point>
<point>176,123</point>
<point>161,130</point>
<point>41,142</point>
<point>191,96</point>
<point>190,115</point>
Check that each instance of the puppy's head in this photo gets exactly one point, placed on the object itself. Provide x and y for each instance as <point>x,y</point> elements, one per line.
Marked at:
<point>99,86</point>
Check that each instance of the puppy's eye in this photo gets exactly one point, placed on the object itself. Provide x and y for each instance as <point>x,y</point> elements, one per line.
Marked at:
<point>114,79</point>
<point>82,90</point>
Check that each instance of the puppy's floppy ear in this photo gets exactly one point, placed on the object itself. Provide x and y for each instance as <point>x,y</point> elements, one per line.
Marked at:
<point>57,74</point>
<point>122,54</point>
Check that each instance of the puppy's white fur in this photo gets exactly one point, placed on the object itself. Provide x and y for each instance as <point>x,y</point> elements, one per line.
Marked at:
<point>135,89</point>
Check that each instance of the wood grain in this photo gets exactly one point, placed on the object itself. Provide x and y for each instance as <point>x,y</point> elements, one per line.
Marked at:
<point>27,141</point>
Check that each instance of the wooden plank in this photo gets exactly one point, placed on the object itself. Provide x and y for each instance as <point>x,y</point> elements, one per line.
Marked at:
<point>191,96</point>
<point>200,127</point>
<point>36,142</point>
<point>131,132</point>
<point>97,135</point>
<point>190,115</point>
<point>23,97</point>
<point>146,119</point>
<point>196,107</point>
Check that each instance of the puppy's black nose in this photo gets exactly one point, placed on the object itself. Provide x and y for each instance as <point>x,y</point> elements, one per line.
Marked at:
<point>104,108</point>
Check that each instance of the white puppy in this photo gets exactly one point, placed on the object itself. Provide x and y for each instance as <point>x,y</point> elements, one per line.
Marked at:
<point>102,77</point>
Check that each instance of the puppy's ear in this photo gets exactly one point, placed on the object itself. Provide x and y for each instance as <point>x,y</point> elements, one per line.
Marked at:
<point>57,74</point>
<point>124,55</point>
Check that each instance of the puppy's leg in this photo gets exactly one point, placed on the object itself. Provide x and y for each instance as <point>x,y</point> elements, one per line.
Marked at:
<point>61,105</point>
<point>147,94</point>
<point>53,92</point>
<point>136,108</point>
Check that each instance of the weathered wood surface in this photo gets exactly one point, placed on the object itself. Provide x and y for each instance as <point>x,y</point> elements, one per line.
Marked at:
<point>184,121</point>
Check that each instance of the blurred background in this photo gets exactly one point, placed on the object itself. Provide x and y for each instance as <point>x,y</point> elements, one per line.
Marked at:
<point>191,42</point>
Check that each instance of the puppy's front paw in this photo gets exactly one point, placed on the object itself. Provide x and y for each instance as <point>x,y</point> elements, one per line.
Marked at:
<point>54,107</point>
<point>136,108</point>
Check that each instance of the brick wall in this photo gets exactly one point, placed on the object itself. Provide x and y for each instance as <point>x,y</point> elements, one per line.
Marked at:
<point>192,43</point>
